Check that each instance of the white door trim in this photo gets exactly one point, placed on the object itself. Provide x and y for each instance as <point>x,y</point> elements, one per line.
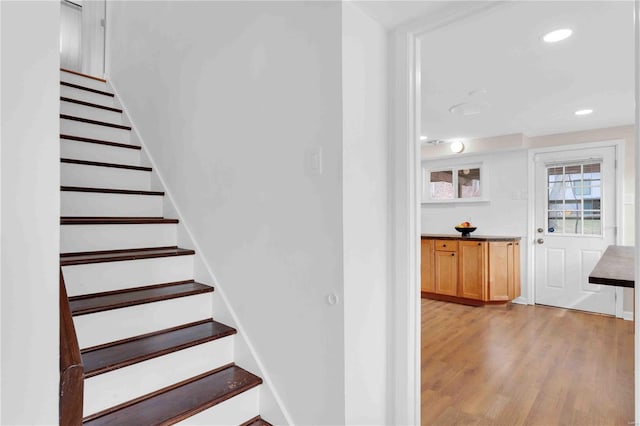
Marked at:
<point>404,211</point>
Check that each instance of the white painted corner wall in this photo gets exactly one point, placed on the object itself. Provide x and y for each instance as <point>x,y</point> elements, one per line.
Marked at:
<point>234,103</point>
<point>232,107</point>
<point>30,211</point>
<point>365,226</point>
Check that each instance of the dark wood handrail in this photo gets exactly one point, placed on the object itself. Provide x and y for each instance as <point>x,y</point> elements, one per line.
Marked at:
<point>71,368</point>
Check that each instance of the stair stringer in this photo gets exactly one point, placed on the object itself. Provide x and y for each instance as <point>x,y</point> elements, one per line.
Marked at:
<point>245,354</point>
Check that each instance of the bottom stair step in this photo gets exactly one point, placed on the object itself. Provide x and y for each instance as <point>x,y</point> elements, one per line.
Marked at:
<point>180,401</point>
<point>256,421</point>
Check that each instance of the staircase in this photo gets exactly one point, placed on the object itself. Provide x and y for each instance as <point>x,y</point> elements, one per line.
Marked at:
<point>151,351</point>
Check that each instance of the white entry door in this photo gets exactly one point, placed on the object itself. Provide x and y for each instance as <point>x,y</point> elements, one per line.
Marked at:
<point>575,221</point>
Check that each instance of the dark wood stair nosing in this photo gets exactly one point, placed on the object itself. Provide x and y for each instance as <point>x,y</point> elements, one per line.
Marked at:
<point>90,220</point>
<point>66,259</point>
<point>229,331</point>
<point>184,414</point>
<point>116,251</point>
<point>142,336</point>
<point>96,122</point>
<point>83,75</point>
<point>101,164</point>
<point>110,190</point>
<point>142,301</point>
<point>126,290</point>
<point>99,142</point>
<point>90,104</point>
<point>88,89</point>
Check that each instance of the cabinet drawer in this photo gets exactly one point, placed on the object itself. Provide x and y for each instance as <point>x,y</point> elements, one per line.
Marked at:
<point>446,245</point>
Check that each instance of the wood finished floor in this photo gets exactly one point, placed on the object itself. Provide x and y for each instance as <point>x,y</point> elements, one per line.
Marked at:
<point>524,365</point>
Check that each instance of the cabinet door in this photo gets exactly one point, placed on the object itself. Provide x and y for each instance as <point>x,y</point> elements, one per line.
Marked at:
<point>446,267</point>
<point>500,270</point>
<point>472,270</point>
<point>427,270</point>
<point>514,290</point>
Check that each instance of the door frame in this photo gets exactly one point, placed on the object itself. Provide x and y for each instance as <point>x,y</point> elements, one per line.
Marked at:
<point>404,383</point>
<point>618,144</point>
<point>404,365</point>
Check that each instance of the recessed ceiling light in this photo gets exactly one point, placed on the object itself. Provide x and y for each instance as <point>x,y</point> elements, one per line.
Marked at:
<point>557,35</point>
<point>423,138</point>
<point>583,112</point>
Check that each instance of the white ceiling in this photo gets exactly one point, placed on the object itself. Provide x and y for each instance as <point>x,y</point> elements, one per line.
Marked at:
<point>392,13</point>
<point>531,87</point>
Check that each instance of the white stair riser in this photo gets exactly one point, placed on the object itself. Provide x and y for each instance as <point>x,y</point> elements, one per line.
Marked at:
<point>116,324</point>
<point>72,174</point>
<point>112,388</point>
<point>78,238</point>
<point>96,152</point>
<point>84,81</point>
<point>108,276</point>
<point>74,203</point>
<point>92,113</point>
<point>85,95</point>
<point>233,411</point>
<point>94,131</point>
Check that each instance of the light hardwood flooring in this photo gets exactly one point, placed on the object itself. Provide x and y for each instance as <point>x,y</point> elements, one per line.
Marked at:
<point>530,365</point>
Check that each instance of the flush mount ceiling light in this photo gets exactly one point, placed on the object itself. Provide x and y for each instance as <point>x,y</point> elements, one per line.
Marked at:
<point>423,138</point>
<point>557,35</point>
<point>457,147</point>
<point>468,108</point>
<point>583,112</point>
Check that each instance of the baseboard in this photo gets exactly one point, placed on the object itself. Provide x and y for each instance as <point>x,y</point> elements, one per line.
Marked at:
<point>520,301</point>
<point>627,315</point>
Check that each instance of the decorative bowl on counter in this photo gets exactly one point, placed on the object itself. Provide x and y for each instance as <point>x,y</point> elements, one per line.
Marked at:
<point>466,230</point>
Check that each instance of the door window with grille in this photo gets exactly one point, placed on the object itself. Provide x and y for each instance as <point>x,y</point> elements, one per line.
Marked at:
<point>573,198</point>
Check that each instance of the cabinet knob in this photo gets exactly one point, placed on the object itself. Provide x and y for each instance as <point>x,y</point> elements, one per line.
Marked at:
<point>453,254</point>
<point>510,244</point>
<point>479,244</point>
<point>444,245</point>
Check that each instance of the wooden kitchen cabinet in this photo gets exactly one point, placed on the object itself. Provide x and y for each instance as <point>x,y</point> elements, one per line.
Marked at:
<point>427,268</point>
<point>446,272</point>
<point>475,270</point>
<point>472,269</point>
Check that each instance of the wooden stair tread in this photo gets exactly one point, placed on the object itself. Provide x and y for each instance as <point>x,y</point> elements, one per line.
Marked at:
<point>256,421</point>
<point>180,401</point>
<point>98,302</point>
<point>99,141</point>
<point>130,351</point>
<point>110,190</point>
<point>83,75</point>
<point>97,122</point>
<point>101,164</point>
<point>88,89</point>
<point>67,259</point>
<point>89,220</point>
<point>89,104</point>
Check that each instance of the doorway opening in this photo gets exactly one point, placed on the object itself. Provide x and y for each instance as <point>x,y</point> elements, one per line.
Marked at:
<point>510,105</point>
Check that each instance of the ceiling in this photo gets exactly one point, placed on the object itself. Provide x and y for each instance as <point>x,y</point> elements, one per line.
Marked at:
<point>392,13</point>
<point>522,84</point>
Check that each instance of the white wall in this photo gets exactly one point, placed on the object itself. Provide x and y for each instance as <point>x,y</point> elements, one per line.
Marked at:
<point>504,214</point>
<point>232,99</point>
<point>364,63</point>
<point>29,200</point>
